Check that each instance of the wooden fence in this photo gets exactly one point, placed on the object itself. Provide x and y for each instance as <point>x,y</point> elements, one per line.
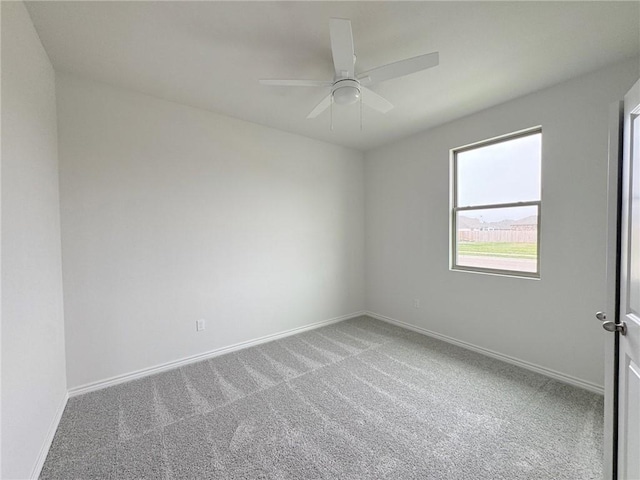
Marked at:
<point>507,236</point>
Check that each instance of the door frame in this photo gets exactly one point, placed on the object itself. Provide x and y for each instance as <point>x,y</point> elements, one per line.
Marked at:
<point>612,288</point>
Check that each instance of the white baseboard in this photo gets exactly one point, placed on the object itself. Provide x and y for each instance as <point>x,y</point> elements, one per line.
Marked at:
<point>90,387</point>
<point>46,445</point>
<point>592,387</point>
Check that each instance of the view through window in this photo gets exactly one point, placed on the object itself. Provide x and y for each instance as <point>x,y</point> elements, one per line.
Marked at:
<point>496,205</point>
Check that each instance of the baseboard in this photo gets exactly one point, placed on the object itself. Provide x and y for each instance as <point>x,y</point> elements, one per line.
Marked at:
<point>577,382</point>
<point>90,387</point>
<point>46,445</point>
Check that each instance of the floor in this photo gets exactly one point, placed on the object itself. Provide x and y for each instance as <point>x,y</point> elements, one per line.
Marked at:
<point>360,399</point>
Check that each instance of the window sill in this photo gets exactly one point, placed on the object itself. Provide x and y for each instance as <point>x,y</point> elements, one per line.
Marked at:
<point>497,273</point>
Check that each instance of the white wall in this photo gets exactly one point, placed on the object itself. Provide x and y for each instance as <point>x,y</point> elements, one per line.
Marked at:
<point>170,214</point>
<point>33,359</point>
<point>547,322</point>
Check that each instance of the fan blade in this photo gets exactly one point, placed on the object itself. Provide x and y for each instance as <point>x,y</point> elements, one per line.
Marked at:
<point>375,101</point>
<point>296,83</point>
<point>342,47</point>
<point>321,107</point>
<point>399,69</point>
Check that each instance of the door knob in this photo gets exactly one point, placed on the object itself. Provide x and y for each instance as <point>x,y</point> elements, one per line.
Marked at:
<point>601,316</point>
<point>615,327</point>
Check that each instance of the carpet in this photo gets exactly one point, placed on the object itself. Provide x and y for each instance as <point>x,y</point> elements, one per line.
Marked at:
<point>360,399</point>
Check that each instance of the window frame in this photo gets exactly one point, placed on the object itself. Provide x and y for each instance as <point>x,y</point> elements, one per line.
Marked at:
<point>455,209</point>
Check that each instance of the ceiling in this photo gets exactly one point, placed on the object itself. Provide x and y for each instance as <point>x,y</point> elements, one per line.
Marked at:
<point>211,55</point>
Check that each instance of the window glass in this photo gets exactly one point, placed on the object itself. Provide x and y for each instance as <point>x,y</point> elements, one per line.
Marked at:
<point>504,172</point>
<point>499,238</point>
<point>496,207</point>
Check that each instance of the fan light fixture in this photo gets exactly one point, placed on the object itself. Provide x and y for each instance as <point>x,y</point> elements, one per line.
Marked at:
<point>346,92</point>
<point>349,87</point>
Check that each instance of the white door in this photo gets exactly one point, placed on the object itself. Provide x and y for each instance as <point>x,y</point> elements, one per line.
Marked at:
<point>629,321</point>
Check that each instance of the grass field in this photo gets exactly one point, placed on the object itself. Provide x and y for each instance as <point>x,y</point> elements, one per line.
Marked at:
<point>498,249</point>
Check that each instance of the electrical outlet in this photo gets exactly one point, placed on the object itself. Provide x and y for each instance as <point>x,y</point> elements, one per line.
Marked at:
<point>417,303</point>
<point>200,324</point>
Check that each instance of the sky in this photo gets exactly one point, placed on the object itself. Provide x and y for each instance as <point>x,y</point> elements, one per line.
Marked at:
<point>500,173</point>
<point>503,172</point>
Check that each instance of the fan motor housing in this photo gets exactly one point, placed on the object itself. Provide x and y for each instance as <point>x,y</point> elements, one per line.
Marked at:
<point>346,91</point>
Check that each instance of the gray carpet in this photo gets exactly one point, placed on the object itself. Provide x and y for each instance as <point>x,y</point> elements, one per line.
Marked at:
<point>360,399</point>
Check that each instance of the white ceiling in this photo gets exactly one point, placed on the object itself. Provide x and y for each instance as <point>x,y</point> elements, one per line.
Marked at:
<point>211,55</point>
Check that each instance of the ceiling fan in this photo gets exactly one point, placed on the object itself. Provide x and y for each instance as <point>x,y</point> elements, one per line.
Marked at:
<point>347,86</point>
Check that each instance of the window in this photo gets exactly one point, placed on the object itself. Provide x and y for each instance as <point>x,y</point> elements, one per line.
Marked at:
<point>496,205</point>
